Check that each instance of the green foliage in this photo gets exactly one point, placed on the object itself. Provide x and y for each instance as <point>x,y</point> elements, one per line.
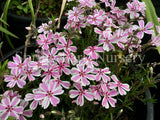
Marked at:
<point>4,22</point>
<point>3,70</point>
<point>23,8</point>
<point>11,118</point>
<point>151,16</point>
<point>32,11</point>
<point>4,30</point>
<point>4,18</point>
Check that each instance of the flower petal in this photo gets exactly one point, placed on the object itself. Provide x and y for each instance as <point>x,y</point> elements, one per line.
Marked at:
<point>54,100</point>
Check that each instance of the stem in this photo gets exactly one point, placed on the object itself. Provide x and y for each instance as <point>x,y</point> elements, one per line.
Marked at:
<point>31,32</point>
<point>62,9</point>
<point>1,54</point>
<point>135,96</point>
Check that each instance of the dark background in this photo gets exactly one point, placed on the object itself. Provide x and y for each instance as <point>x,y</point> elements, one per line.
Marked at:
<point>150,56</point>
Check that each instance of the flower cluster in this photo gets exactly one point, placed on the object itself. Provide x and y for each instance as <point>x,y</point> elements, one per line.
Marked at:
<point>12,105</point>
<point>57,57</point>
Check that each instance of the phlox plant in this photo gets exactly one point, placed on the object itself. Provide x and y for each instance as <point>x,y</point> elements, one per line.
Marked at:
<point>72,73</point>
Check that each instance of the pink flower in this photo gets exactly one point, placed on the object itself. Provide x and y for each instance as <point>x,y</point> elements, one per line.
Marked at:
<point>108,98</point>
<point>76,14</point>
<point>11,94</point>
<point>95,89</point>
<point>78,25</point>
<point>144,29</point>
<point>158,29</point>
<point>122,88</point>
<point>10,107</point>
<point>30,97</point>
<point>104,87</point>
<point>88,61</point>
<point>88,3</point>
<point>108,95</point>
<point>47,94</point>
<point>27,113</point>
<point>80,75</point>
<point>132,10</point>
<point>92,51</point>
<point>49,56</point>
<point>140,6</point>
<point>56,37</point>
<point>41,63</point>
<point>69,57</point>
<point>102,74</point>
<point>106,2</point>
<point>117,11</point>
<point>120,37</point>
<point>70,24</point>
<point>30,73</point>
<point>15,78</point>
<point>66,45</point>
<point>100,32</point>
<point>109,23</point>
<point>81,93</point>
<point>62,66</point>
<point>44,28</point>
<point>155,40</point>
<point>59,82</point>
<point>45,40</point>
<point>18,64</point>
<point>103,34</point>
<point>97,18</point>
<point>49,71</point>
<point>107,43</point>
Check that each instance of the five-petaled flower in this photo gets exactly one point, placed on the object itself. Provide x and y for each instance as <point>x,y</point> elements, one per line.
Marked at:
<point>18,65</point>
<point>15,78</point>
<point>92,51</point>
<point>144,29</point>
<point>47,94</point>
<point>44,40</point>
<point>101,74</point>
<point>80,75</point>
<point>10,107</point>
<point>122,88</point>
<point>76,14</point>
<point>108,97</point>
<point>65,84</point>
<point>81,93</point>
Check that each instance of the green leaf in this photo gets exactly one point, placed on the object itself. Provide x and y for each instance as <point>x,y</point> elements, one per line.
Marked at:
<point>20,7</point>
<point>4,64</point>
<point>11,118</point>
<point>6,10</point>
<point>152,16</point>
<point>4,22</point>
<point>1,43</point>
<point>25,10</point>
<point>7,32</point>
<point>4,17</point>
<point>15,2</point>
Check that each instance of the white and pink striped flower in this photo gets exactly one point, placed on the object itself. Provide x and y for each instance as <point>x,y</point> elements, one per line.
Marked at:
<point>102,74</point>
<point>144,29</point>
<point>92,51</point>
<point>80,75</point>
<point>122,88</point>
<point>15,78</point>
<point>10,107</point>
<point>81,93</point>
<point>48,93</point>
<point>76,14</point>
